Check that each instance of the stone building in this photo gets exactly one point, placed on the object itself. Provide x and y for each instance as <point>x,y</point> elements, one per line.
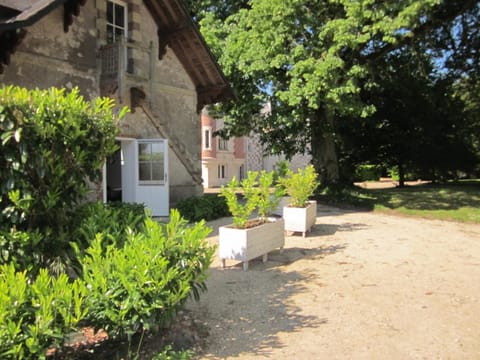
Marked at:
<point>146,54</point>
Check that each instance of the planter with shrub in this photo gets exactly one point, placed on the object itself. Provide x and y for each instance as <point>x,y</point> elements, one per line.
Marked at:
<point>300,214</point>
<point>251,237</point>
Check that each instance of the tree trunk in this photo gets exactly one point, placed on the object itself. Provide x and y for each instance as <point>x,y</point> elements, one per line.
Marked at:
<point>324,152</point>
<point>401,176</point>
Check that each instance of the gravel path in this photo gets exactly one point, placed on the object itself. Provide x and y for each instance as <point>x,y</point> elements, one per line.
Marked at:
<point>360,286</point>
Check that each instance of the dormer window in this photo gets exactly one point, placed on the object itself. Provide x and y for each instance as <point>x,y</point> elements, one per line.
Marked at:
<point>116,21</point>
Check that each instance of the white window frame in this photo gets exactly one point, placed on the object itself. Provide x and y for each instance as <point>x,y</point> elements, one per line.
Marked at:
<point>115,26</point>
<point>223,144</point>
<point>222,171</point>
<point>139,162</point>
<point>207,138</point>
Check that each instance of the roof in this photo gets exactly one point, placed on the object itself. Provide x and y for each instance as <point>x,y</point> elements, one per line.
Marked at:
<point>176,29</point>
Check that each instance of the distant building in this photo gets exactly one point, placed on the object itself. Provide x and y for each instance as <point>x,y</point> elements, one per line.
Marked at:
<point>221,159</point>
<point>224,159</point>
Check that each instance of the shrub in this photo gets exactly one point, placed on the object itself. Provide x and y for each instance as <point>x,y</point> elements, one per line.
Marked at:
<point>52,144</point>
<point>36,315</point>
<point>142,284</point>
<point>256,196</point>
<point>206,207</point>
<point>110,218</point>
<point>368,172</point>
<point>281,169</point>
<point>18,249</point>
<point>300,185</point>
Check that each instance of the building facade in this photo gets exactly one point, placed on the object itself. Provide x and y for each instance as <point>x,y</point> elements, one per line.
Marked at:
<point>145,54</point>
<point>221,159</point>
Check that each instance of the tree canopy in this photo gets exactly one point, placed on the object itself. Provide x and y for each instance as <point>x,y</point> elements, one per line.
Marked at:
<point>314,61</point>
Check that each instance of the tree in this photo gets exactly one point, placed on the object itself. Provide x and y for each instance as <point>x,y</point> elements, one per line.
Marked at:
<point>310,60</point>
<point>418,126</point>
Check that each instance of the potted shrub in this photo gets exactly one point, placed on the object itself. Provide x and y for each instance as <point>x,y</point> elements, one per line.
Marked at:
<point>300,213</point>
<point>250,237</point>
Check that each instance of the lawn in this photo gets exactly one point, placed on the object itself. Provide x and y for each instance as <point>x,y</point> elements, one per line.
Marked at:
<point>459,201</point>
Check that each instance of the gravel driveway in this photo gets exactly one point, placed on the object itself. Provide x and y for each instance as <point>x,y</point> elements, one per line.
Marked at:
<point>360,286</point>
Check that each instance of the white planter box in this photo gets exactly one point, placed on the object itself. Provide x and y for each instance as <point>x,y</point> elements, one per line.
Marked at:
<point>300,219</point>
<point>247,244</point>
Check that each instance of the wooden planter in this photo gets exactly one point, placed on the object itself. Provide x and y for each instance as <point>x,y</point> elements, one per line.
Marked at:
<point>247,244</point>
<point>300,219</point>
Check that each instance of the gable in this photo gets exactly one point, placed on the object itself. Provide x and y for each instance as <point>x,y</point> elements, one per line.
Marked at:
<point>175,30</point>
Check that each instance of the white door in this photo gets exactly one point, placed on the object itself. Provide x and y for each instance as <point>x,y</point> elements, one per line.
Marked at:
<point>145,175</point>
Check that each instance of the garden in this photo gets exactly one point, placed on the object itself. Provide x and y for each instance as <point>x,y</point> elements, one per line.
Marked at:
<point>67,264</point>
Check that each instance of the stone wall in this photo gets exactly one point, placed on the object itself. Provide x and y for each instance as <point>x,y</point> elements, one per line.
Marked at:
<point>49,57</point>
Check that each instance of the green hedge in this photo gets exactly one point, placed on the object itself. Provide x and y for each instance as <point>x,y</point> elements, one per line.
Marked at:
<point>37,314</point>
<point>123,289</point>
<point>206,207</point>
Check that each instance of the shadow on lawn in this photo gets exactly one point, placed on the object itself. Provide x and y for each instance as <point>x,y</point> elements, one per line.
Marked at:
<point>449,196</point>
<point>429,197</point>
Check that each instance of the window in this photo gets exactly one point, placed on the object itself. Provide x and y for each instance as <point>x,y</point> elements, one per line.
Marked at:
<point>207,138</point>
<point>222,144</point>
<point>116,21</point>
<point>221,171</point>
<point>151,160</point>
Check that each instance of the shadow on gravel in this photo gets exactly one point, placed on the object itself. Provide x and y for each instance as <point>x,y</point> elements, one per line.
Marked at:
<point>254,308</point>
<point>246,311</point>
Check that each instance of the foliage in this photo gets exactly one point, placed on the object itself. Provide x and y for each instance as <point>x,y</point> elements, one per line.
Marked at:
<point>206,207</point>
<point>18,249</point>
<point>280,170</point>
<point>169,354</point>
<point>268,200</point>
<point>300,185</point>
<point>311,60</point>
<point>368,172</point>
<point>141,285</point>
<point>112,219</point>
<point>36,315</point>
<point>52,144</point>
<point>256,195</point>
<point>241,210</point>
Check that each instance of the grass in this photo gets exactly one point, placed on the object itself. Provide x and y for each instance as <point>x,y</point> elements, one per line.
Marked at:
<point>459,201</point>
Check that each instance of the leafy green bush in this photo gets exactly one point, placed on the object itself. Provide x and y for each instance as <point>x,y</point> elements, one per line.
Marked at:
<point>52,144</point>
<point>300,185</point>
<point>110,218</point>
<point>368,172</point>
<point>256,196</point>
<point>18,249</point>
<point>36,315</point>
<point>142,284</point>
<point>206,207</point>
<point>281,169</point>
